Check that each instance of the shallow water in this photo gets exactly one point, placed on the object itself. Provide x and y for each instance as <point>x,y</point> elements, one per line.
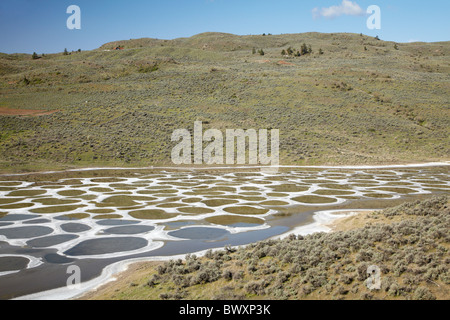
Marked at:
<point>145,214</point>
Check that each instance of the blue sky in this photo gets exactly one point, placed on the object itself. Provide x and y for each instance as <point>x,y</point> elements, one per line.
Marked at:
<point>40,25</point>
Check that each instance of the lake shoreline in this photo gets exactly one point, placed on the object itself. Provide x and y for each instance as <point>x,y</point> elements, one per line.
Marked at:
<point>212,168</point>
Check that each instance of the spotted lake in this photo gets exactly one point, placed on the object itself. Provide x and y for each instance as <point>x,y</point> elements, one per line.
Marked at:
<point>95,218</point>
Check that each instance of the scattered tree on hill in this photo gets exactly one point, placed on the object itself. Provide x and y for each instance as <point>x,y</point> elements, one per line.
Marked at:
<point>261,52</point>
<point>66,53</point>
<point>305,49</point>
<point>377,38</point>
<point>290,51</point>
<point>25,81</point>
<point>395,46</point>
<point>320,51</point>
<point>35,56</point>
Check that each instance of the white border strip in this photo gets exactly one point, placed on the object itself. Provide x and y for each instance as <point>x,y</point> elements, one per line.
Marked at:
<point>361,167</point>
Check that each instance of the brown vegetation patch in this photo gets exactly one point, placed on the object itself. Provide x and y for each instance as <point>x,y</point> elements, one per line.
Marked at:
<point>285,63</point>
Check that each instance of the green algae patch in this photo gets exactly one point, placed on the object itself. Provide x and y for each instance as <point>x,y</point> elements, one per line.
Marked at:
<point>161,191</point>
<point>350,197</point>
<point>171,205</point>
<point>192,200</point>
<point>77,216</point>
<point>10,200</point>
<point>336,186</point>
<point>246,210</point>
<point>107,216</point>
<point>250,189</point>
<point>277,195</point>
<point>17,206</point>
<point>314,199</point>
<point>54,201</point>
<point>101,211</point>
<point>10,184</point>
<point>7,188</point>
<point>397,190</point>
<point>101,190</point>
<point>204,192</point>
<point>26,193</point>
<point>195,210</point>
<point>219,202</point>
<point>71,193</point>
<point>125,201</point>
<point>274,203</point>
<point>289,188</point>
<point>56,209</point>
<point>378,195</point>
<point>327,192</point>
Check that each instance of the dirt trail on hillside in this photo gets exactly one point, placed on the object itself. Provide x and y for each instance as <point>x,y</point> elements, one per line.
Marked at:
<point>25,112</point>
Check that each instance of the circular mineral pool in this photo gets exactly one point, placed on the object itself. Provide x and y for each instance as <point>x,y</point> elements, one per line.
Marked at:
<point>75,227</point>
<point>57,259</point>
<point>12,263</point>
<point>25,232</point>
<point>18,217</point>
<point>106,246</point>
<point>199,233</point>
<point>129,229</point>
<point>37,221</point>
<point>114,222</point>
<point>50,241</point>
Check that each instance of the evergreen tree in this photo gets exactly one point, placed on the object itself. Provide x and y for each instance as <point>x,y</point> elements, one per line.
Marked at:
<point>66,52</point>
<point>35,56</point>
<point>304,49</point>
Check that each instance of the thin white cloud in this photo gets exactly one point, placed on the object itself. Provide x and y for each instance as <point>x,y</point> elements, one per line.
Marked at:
<point>347,7</point>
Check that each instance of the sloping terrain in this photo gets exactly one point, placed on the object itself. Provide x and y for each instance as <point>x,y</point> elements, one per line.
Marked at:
<point>353,100</point>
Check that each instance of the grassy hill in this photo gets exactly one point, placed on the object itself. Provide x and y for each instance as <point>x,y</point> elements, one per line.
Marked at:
<point>408,243</point>
<point>363,101</point>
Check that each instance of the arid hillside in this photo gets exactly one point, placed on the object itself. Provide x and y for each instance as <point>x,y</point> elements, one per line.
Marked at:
<point>347,99</point>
